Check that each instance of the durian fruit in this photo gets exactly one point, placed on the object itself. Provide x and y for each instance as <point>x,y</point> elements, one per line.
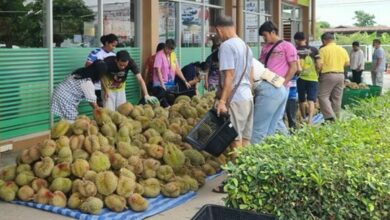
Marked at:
<point>137,203</point>
<point>117,161</point>
<point>61,170</point>
<point>151,187</point>
<point>139,189</point>
<point>158,125</point>
<point>86,188</point>
<point>60,129</point>
<point>91,144</point>
<point>214,164</point>
<point>184,187</point>
<point>39,183</point>
<point>156,140</point>
<point>99,162</point>
<point>8,191</point>
<point>44,167</point>
<point>191,182</point>
<point>125,108</point>
<point>76,141</point>
<point>90,175</point>
<point>105,146</point>
<point>165,173</point>
<point>93,130</point>
<point>61,184</point>
<point>160,112</point>
<point>64,155</point>
<point>170,136</point>
<point>75,200</point>
<point>106,182</point>
<point>26,193</point>
<point>62,141</point>
<point>183,98</point>
<point>123,135</point>
<point>138,140</point>
<point>92,205</point>
<point>208,169</point>
<point>176,128</point>
<point>137,128</point>
<point>30,155</point>
<point>150,167</point>
<point>42,196</point>
<point>109,129</point>
<point>8,173</point>
<point>148,111</point>
<point>80,126</point>
<point>199,175</point>
<point>128,173</point>
<point>47,148</point>
<point>24,178</point>
<point>173,156</point>
<point>149,133</point>
<point>127,150</point>
<point>154,150</point>
<point>137,111</point>
<point>1,183</point>
<point>115,202</point>
<point>58,199</point>
<point>196,158</point>
<point>117,118</point>
<point>101,117</point>
<point>170,189</point>
<point>22,167</point>
<point>79,167</point>
<point>126,186</point>
<point>80,154</point>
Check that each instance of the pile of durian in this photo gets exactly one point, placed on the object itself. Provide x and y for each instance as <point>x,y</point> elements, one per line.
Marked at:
<point>353,85</point>
<point>116,160</point>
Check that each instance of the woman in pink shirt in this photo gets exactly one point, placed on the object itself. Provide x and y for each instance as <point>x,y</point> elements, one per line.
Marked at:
<point>166,67</point>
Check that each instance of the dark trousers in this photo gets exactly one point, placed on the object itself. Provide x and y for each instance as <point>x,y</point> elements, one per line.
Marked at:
<point>357,76</point>
<point>99,100</point>
<point>291,112</point>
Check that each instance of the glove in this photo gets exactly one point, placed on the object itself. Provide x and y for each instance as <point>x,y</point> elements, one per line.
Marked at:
<point>151,100</point>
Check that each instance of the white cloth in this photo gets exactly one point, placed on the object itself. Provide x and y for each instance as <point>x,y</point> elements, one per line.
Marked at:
<point>68,94</point>
<point>115,99</point>
<point>258,70</point>
<point>357,59</point>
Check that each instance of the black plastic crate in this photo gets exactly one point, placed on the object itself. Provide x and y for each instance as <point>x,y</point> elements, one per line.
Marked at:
<point>216,212</point>
<point>212,134</point>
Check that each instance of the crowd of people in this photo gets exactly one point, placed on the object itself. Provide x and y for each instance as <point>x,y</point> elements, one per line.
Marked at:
<point>256,92</point>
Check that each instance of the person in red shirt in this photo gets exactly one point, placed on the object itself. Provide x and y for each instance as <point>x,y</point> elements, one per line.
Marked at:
<point>149,67</point>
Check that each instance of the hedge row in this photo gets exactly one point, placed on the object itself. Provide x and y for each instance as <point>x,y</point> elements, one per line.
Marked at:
<point>336,171</point>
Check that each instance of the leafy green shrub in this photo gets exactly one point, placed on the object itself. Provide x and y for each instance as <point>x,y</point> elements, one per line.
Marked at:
<point>337,171</point>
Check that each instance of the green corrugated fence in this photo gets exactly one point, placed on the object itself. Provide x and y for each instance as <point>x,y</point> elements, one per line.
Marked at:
<point>24,86</point>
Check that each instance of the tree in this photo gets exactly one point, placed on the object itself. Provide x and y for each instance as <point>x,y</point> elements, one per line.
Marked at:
<point>364,19</point>
<point>24,26</point>
<point>319,26</point>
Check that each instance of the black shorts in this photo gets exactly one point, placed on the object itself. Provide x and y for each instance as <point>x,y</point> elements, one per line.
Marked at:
<point>307,90</point>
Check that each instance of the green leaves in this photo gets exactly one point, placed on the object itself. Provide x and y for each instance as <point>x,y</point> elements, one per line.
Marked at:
<point>336,171</point>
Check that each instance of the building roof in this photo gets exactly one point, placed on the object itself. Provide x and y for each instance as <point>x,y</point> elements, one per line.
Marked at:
<point>344,29</point>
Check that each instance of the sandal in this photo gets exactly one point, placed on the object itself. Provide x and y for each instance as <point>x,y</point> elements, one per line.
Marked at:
<point>219,189</point>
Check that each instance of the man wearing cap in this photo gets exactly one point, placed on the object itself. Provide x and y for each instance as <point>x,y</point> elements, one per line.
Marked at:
<point>333,59</point>
<point>114,81</point>
<point>307,83</point>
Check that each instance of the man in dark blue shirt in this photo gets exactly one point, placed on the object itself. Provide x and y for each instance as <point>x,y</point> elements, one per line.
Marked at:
<point>192,72</point>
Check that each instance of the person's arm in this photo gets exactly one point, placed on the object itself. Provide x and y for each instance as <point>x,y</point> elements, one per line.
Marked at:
<point>104,85</point>
<point>319,61</point>
<point>88,90</point>
<point>181,76</point>
<point>292,59</point>
<point>226,91</point>
<point>142,84</point>
<point>145,74</point>
<point>293,67</point>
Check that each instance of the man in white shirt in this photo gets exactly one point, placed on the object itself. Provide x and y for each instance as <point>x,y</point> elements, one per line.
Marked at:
<point>357,62</point>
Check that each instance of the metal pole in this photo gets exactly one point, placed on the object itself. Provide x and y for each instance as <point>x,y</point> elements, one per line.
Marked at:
<point>49,43</point>
<point>99,19</point>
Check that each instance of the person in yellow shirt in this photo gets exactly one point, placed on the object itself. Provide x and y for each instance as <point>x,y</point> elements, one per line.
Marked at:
<point>333,59</point>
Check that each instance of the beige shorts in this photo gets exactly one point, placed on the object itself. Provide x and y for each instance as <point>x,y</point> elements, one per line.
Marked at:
<point>241,116</point>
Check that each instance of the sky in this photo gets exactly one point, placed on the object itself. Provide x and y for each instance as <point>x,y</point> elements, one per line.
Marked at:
<point>341,12</point>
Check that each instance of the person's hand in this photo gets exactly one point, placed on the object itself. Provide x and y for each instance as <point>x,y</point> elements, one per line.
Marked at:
<point>152,100</point>
<point>373,71</point>
<point>105,95</point>
<point>188,85</point>
<point>163,87</point>
<point>221,107</point>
